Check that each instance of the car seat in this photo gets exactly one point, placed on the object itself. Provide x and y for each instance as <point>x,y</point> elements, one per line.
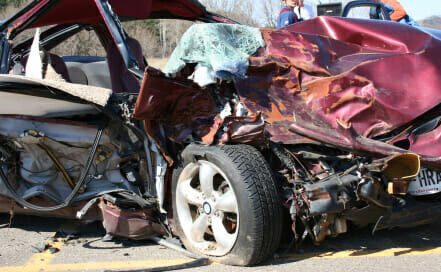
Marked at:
<point>55,61</point>
<point>122,79</point>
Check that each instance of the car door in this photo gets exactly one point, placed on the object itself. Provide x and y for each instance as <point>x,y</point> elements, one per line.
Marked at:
<point>366,10</point>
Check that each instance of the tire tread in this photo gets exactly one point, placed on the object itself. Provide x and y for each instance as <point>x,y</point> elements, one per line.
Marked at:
<point>263,192</point>
<point>260,187</point>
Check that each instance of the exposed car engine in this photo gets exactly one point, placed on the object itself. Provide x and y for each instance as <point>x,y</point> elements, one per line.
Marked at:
<point>329,188</point>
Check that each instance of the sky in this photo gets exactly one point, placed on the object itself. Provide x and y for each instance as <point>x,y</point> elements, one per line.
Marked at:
<point>420,9</point>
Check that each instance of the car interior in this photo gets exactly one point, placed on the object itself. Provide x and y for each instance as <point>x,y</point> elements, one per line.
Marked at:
<point>107,71</point>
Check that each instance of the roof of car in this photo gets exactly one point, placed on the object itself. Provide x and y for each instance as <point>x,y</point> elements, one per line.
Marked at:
<point>86,11</point>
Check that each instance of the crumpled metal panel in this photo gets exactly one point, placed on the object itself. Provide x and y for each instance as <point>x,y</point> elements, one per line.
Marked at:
<point>328,80</point>
<point>173,109</point>
<point>426,143</point>
<point>244,130</point>
<point>343,81</point>
<point>130,223</point>
<point>375,78</point>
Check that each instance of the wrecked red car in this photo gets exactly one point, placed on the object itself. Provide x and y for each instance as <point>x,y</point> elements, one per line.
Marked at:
<point>323,124</point>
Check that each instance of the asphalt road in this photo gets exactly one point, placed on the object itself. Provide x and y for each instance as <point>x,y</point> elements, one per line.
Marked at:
<point>30,246</point>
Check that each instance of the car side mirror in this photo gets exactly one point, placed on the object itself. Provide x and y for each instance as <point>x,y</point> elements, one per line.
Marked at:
<point>366,10</point>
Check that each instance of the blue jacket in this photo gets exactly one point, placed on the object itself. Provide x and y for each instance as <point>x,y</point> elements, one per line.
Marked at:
<point>286,17</point>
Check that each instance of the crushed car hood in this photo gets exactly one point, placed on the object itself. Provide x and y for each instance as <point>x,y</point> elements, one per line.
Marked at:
<point>334,81</point>
<point>369,77</point>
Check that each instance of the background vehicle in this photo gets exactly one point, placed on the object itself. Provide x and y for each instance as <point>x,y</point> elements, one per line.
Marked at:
<point>315,128</point>
<point>360,9</point>
<point>339,8</point>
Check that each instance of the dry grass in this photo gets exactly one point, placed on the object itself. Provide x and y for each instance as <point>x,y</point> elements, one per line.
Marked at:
<point>157,63</point>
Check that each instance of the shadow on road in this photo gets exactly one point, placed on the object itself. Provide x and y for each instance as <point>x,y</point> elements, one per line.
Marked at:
<point>361,242</point>
<point>357,242</point>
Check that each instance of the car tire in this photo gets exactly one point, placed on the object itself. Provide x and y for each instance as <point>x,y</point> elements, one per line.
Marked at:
<point>242,230</point>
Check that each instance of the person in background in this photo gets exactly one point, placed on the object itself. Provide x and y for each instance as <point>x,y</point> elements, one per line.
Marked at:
<point>304,11</point>
<point>397,12</point>
<point>287,16</point>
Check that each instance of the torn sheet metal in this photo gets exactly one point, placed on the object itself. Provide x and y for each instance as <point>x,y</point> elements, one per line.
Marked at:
<point>129,223</point>
<point>346,82</point>
<point>424,143</point>
<point>343,82</point>
<point>173,109</point>
<point>244,130</point>
<point>329,80</point>
<point>179,111</point>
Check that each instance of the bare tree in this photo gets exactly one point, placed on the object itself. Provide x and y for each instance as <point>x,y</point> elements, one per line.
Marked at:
<point>158,38</point>
<point>248,12</point>
<point>241,11</point>
<point>269,11</point>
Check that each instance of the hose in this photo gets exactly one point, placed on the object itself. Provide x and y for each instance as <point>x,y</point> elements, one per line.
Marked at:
<point>68,201</point>
<point>58,165</point>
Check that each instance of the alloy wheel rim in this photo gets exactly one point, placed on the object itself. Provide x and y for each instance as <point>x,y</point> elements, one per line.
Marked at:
<point>207,208</point>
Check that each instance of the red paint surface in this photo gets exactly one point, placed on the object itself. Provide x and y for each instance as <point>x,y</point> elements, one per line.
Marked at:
<point>343,82</point>
<point>85,11</point>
